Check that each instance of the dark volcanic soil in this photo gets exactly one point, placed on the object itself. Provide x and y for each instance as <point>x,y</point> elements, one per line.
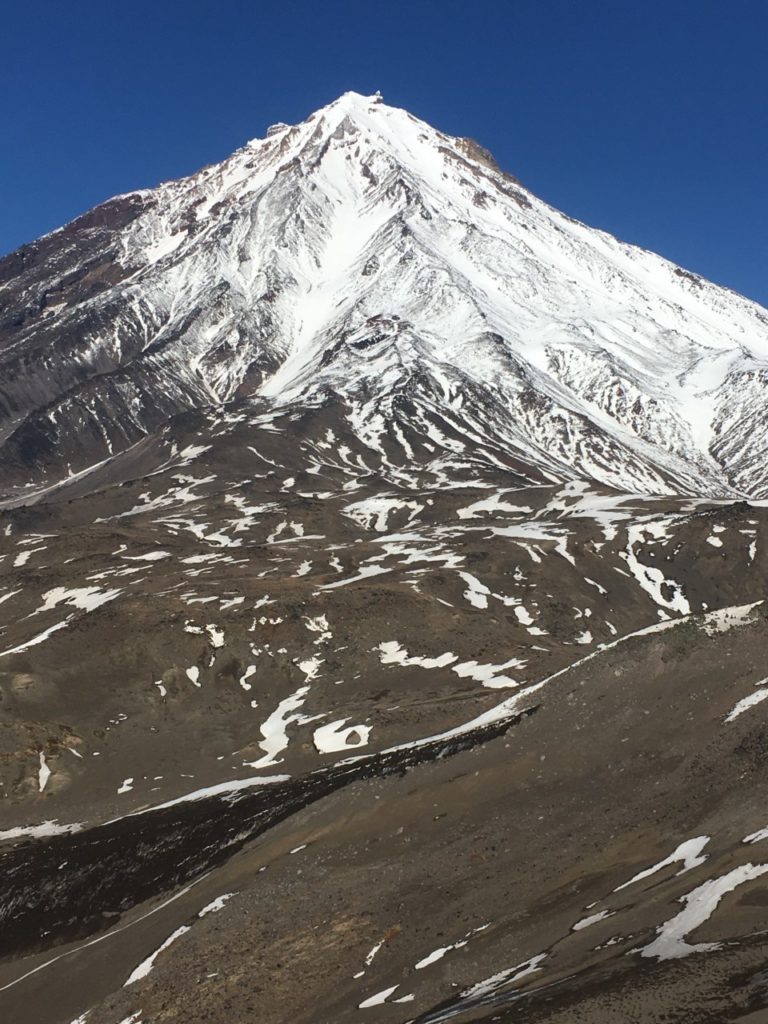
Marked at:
<point>479,854</point>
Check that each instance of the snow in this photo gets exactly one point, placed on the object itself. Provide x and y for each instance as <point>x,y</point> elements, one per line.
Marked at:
<point>374,512</point>
<point>651,578</point>
<point>215,635</point>
<point>749,701</point>
<point>492,504</point>
<point>41,831</point>
<point>151,556</point>
<point>688,854</point>
<point>84,598</point>
<point>724,619</point>
<point>310,667</point>
<point>391,653</point>
<point>438,954</point>
<point>146,966</point>
<point>274,729</point>
<point>506,977</point>
<point>532,531</point>
<point>364,572</point>
<point>163,247</point>
<point>486,301</point>
<point>488,674</point>
<point>216,905</point>
<point>586,922</point>
<point>433,957</point>
<point>369,956</point>
<point>230,788</point>
<point>476,592</point>
<point>250,671</point>
<point>318,624</point>
<point>379,998</point>
<point>699,905</point>
<point>334,737</point>
<point>592,583</point>
<point>44,773</point>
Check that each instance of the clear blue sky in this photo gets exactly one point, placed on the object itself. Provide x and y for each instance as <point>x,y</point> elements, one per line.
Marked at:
<point>646,118</point>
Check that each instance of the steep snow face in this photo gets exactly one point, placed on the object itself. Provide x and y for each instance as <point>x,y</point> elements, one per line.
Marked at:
<point>364,258</point>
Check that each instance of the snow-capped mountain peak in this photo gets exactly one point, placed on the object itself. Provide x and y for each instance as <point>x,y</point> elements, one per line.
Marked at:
<point>364,257</point>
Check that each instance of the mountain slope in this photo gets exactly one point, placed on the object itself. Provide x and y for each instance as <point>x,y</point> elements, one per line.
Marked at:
<point>364,257</point>
<point>382,623</point>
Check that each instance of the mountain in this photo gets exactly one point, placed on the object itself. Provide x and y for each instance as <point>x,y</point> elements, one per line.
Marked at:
<point>364,258</point>
<point>382,604</point>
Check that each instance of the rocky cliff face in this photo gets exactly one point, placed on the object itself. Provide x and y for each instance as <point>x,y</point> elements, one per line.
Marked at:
<point>382,604</point>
